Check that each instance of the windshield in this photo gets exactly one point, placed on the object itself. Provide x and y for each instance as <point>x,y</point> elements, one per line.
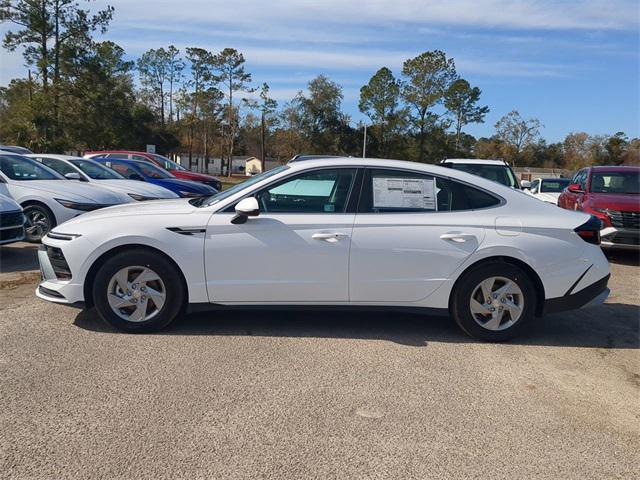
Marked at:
<point>616,182</point>
<point>151,171</point>
<point>239,187</point>
<point>555,185</point>
<point>17,167</point>
<point>498,173</point>
<point>166,163</point>
<point>96,171</point>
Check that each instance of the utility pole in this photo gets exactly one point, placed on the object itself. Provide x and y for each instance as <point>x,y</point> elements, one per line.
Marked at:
<point>262,139</point>
<point>364,142</point>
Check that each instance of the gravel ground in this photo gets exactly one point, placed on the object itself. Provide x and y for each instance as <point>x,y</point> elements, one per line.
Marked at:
<point>316,395</point>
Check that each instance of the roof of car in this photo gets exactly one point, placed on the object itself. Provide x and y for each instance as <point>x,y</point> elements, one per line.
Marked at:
<point>91,152</point>
<point>377,163</point>
<point>15,149</point>
<point>476,161</point>
<point>57,156</point>
<point>615,168</point>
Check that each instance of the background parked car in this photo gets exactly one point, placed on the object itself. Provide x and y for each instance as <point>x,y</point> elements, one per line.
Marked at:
<point>15,149</point>
<point>11,221</point>
<point>86,170</point>
<point>148,172</point>
<point>176,169</point>
<point>496,170</point>
<point>547,189</point>
<point>613,195</point>
<point>48,199</point>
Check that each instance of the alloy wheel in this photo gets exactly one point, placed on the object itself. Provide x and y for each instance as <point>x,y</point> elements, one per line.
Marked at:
<point>37,224</point>
<point>136,293</point>
<point>496,303</point>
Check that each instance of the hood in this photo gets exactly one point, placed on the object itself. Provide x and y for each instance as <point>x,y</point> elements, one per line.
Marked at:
<point>74,191</point>
<point>8,204</point>
<point>186,185</point>
<point>136,187</point>
<point>196,177</point>
<point>177,206</point>
<point>626,202</point>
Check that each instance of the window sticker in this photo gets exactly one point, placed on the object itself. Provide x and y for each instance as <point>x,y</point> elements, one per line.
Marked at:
<point>411,193</point>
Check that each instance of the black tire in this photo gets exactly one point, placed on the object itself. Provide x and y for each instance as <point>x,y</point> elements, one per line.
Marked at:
<point>167,272</point>
<point>466,286</point>
<point>34,233</point>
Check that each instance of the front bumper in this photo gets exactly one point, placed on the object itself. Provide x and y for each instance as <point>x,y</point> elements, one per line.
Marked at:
<point>53,289</point>
<point>622,238</point>
<point>594,294</point>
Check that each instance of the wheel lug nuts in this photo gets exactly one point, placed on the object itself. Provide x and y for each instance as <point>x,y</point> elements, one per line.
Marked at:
<point>503,300</point>
<point>495,295</point>
<point>492,309</point>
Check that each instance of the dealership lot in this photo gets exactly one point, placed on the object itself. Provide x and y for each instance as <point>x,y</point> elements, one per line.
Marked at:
<point>315,394</point>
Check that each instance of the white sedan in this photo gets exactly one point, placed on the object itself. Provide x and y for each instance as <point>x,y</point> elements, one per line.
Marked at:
<point>334,232</point>
<point>547,189</point>
<point>48,199</point>
<point>86,170</point>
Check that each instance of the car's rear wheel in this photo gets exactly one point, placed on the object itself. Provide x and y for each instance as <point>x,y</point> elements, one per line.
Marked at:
<point>38,221</point>
<point>495,301</point>
<point>138,291</point>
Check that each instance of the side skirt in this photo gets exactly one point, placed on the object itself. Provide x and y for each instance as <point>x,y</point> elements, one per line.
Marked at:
<point>209,307</point>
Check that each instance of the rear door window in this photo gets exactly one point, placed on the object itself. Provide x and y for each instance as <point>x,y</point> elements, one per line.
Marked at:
<point>395,191</point>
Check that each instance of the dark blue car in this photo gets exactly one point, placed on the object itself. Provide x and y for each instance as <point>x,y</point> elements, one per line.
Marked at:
<point>148,172</point>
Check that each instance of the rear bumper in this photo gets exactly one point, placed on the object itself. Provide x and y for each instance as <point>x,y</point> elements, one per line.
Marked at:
<point>594,294</point>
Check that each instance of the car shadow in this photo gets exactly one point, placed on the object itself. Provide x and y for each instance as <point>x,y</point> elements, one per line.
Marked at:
<point>623,257</point>
<point>18,257</point>
<point>608,326</point>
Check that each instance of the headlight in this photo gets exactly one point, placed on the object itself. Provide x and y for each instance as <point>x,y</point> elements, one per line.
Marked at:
<point>189,194</point>
<point>62,236</point>
<point>85,207</point>
<point>141,198</point>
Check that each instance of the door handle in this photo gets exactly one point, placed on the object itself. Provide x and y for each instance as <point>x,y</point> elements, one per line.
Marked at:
<point>329,237</point>
<point>457,237</point>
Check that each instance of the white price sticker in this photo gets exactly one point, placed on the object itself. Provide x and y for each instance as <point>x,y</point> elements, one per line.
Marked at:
<point>410,193</point>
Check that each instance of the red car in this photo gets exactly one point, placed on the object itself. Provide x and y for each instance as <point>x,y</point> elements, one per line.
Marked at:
<point>176,170</point>
<point>613,195</point>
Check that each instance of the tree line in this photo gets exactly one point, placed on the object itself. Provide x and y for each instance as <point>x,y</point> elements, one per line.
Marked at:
<point>83,94</point>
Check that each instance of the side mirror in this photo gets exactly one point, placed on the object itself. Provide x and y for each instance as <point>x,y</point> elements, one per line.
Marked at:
<point>575,188</point>
<point>525,185</point>
<point>72,176</point>
<point>247,207</point>
<point>135,176</point>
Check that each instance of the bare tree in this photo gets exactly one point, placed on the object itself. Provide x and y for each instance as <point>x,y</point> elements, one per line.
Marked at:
<point>516,132</point>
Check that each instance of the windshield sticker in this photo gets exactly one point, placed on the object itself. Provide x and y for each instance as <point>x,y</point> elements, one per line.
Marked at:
<point>394,192</point>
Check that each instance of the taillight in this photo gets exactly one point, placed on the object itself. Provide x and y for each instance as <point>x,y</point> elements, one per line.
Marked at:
<point>590,230</point>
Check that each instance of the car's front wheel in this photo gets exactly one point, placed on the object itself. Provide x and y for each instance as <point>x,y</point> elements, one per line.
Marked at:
<point>494,301</point>
<point>38,221</point>
<point>138,291</point>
